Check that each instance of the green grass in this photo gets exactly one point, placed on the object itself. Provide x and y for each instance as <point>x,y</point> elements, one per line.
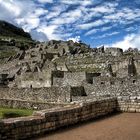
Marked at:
<point>6,54</point>
<point>12,113</point>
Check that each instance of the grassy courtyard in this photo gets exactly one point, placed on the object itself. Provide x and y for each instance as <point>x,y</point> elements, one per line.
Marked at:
<point>12,113</point>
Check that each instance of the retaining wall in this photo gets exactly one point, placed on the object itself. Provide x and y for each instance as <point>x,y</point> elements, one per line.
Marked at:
<point>47,120</point>
<point>10,103</point>
<point>49,94</point>
<point>129,103</point>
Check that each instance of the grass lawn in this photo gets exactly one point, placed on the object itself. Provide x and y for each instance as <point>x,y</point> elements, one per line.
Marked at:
<point>12,113</point>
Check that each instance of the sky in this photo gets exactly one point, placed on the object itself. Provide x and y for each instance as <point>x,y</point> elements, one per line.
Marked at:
<point>113,23</point>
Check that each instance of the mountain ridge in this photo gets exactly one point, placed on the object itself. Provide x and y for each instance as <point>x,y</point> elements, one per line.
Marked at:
<point>8,30</point>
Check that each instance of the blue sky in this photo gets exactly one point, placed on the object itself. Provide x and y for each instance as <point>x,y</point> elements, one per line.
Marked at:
<point>113,23</point>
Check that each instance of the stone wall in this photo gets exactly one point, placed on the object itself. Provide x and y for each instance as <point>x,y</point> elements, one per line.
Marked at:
<point>47,120</point>
<point>50,94</point>
<point>57,78</point>
<point>114,51</point>
<point>69,79</point>
<point>34,80</point>
<point>10,103</point>
<point>129,103</point>
<point>113,86</point>
<point>127,92</point>
<point>34,84</point>
<point>73,78</point>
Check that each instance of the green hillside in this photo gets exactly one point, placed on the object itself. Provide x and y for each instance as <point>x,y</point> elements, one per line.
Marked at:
<point>12,39</point>
<point>8,30</point>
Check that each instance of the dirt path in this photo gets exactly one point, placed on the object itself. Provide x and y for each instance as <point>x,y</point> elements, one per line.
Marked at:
<point>125,126</point>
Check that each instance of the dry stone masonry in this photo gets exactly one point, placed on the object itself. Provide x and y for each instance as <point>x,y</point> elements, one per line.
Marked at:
<point>48,120</point>
<point>67,82</point>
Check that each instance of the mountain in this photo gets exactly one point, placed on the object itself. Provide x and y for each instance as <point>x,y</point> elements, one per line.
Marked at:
<point>8,30</point>
<point>12,39</point>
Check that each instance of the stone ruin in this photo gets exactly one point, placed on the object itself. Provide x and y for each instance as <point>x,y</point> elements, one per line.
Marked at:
<point>70,77</point>
<point>56,64</point>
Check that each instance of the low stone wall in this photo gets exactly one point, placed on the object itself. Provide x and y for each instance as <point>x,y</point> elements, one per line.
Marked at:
<point>10,103</point>
<point>129,103</point>
<point>127,93</point>
<point>49,94</point>
<point>47,120</point>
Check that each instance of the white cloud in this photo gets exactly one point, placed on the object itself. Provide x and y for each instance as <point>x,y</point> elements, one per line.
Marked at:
<point>109,34</point>
<point>92,24</point>
<point>95,30</point>
<point>136,41</point>
<point>33,16</point>
<point>45,1</point>
<point>40,36</point>
<point>64,18</point>
<point>75,39</point>
<point>132,40</point>
<point>30,23</point>
<point>19,12</point>
<point>56,11</point>
<point>49,31</point>
<point>75,2</point>
<point>103,9</point>
<point>11,7</point>
<point>67,18</point>
<point>124,15</point>
<point>40,11</point>
<point>106,35</point>
<point>15,10</point>
<point>130,29</point>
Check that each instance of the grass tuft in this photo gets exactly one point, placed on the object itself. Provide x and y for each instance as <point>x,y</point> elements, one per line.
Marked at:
<point>12,113</point>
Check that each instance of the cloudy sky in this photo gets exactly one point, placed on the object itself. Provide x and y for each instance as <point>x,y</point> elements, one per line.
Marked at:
<point>113,23</point>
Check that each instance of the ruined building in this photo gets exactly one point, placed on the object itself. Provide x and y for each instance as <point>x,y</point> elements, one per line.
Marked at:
<point>56,64</point>
<point>71,81</point>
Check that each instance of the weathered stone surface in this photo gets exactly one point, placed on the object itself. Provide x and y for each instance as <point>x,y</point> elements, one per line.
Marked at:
<point>48,120</point>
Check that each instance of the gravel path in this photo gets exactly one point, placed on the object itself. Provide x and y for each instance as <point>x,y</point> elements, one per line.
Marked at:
<point>125,126</point>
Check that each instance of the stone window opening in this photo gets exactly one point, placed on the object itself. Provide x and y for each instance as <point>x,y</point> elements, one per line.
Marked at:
<point>102,83</point>
<point>40,49</point>
<point>31,86</point>
<point>134,81</point>
<point>56,47</point>
<point>64,51</point>
<point>33,61</point>
<point>40,79</point>
<point>112,83</point>
<point>90,81</point>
